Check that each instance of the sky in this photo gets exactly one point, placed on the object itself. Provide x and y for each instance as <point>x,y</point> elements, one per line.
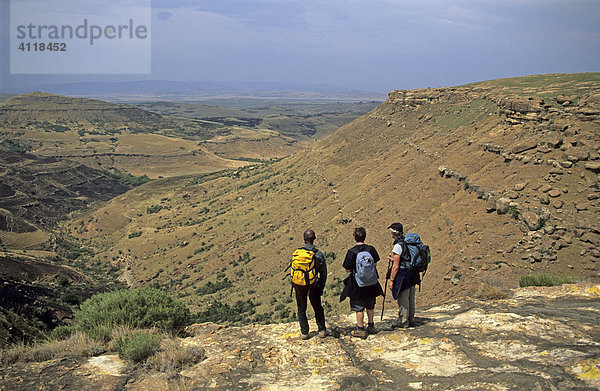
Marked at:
<point>374,45</point>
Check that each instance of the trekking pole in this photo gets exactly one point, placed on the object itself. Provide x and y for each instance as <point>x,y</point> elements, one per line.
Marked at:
<point>388,274</point>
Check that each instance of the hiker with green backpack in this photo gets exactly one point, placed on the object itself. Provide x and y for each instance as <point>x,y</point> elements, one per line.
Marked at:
<point>409,259</point>
<point>362,285</point>
<point>308,278</point>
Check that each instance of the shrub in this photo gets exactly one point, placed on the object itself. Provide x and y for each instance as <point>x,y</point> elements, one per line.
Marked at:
<point>127,179</point>
<point>135,234</point>
<point>61,332</point>
<point>514,212</point>
<point>213,287</point>
<point>138,308</point>
<point>541,223</point>
<point>544,280</point>
<point>137,347</point>
<point>153,209</point>
<point>71,298</point>
<point>220,312</point>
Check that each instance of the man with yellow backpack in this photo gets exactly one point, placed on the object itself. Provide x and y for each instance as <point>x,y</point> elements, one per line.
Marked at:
<point>308,277</point>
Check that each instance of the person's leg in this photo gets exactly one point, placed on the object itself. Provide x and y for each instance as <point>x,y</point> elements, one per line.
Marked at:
<point>411,305</point>
<point>301,293</point>
<point>315,302</point>
<point>358,306</point>
<point>370,308</point>
<point>360,319</point>
<point>403,307</point>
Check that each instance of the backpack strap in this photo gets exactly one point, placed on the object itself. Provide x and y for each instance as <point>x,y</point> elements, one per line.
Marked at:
<point>405,256</point>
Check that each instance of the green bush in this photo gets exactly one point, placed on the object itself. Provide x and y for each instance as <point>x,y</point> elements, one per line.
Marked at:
<point>71,298</point>
<point>137,347</point>
<point>153,209</point>
<point>138,308</point>
<point>219,312</point>
<point>544,280</point>
<point>127,179</point>
<point>213,287</point>
<point>136,234</point>
<point>60,332</point>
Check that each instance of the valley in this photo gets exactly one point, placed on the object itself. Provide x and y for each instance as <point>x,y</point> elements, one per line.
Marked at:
<point>62,156</point>
<point>500,178</point>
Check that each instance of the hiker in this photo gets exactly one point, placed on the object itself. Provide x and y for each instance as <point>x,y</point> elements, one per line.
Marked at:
<point>402,279</point>
<point>362,285</point>
<point>309,275</point>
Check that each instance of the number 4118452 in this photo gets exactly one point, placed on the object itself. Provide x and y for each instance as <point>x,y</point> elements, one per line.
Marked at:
<point>43,47</point>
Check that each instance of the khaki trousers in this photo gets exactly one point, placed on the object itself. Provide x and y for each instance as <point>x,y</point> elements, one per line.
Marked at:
<point>406,303</point>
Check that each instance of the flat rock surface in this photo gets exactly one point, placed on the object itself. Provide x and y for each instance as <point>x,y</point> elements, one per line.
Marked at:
<point>538,339</point>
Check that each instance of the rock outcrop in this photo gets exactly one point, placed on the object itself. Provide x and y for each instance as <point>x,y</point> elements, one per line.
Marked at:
<point>537,339</point>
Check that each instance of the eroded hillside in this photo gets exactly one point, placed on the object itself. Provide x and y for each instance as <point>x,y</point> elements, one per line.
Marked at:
<point>500,178</point>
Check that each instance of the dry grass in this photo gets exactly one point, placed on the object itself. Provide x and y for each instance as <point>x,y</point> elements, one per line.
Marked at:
<point>175,356</point>
<point>78,345</point>
<point>491,292</point>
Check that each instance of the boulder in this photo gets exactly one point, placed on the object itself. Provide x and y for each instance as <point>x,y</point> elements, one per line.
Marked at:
<point>554,193</point>
<point>559,244</point>
<point>513,195</point>
<point>502,205</point>
<point>577,154</point>
<point>593,166</point>
<point>524,147</point>
<point>589,237</point>
<point>490,204</point>
<point>532,220</point>
<point>554,143</point>
<point>559,127</point>
<point>520,186</point>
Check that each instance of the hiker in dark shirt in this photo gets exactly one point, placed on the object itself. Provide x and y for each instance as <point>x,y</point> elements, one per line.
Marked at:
<point>312,291</point>
<point>402,279</point>
<point>362,285</point>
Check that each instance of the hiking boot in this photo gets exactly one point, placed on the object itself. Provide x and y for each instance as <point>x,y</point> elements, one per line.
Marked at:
<point>358,333</point>
<point>304,336</point>
<point>399,324</point>
<point>323,333</point>
<point>371,328</point>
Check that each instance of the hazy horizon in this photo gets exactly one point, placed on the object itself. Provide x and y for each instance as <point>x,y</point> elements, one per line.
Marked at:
<point>374,46</point>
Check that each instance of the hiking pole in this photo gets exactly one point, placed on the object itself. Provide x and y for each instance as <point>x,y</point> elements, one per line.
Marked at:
<point>388,274</point>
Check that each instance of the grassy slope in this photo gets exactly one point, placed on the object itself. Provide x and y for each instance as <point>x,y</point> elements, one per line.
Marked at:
<point>378,169</point>
<point>192,139</point>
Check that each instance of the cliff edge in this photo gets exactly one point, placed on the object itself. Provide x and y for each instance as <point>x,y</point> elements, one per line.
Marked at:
<point>538,339</point>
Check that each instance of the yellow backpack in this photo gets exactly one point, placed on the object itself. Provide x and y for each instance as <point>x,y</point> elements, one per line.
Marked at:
<point>303,271</point>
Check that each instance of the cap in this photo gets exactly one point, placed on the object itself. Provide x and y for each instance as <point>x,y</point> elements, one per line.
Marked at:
<point>397,227</point>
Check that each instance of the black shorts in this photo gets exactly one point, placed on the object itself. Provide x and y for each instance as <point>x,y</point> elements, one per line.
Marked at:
<point>358,305</point>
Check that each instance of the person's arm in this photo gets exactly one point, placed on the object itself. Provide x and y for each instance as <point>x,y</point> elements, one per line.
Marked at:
<point>395,267</point>
<point>347,265</point>
<point>323,270</point>
<point>375,255</point>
